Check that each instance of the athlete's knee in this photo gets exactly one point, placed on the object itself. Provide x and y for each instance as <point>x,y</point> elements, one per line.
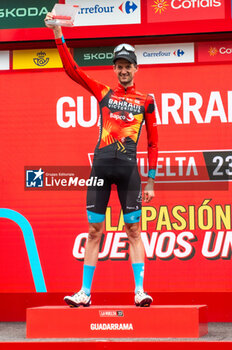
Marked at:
<point>133,231</point>
<point>95,231</point>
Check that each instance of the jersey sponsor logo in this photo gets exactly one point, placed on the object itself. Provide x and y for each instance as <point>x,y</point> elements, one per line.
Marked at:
<point>133,208</point>
<point>128,118</point>
<point>123,105</point>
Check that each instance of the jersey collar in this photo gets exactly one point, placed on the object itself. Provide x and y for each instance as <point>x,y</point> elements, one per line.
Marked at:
<point>129,89</point>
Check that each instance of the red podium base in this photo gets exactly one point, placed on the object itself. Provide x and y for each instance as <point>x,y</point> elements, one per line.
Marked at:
<point>173,321</point>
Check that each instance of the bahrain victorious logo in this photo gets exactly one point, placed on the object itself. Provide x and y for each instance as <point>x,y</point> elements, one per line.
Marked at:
<point>160,6</point>
<point>41,60</point>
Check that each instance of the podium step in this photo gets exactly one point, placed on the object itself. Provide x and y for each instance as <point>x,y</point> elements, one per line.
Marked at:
<point>169,321</point>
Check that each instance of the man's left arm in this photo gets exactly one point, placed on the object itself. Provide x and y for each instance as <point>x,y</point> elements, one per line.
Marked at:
<point>152,139</point>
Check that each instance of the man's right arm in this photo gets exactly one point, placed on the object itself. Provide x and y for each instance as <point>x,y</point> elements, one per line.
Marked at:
<point>72,69</point>
<point>56,29</point>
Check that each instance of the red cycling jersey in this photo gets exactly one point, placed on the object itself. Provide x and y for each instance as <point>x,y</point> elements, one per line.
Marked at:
<point>122,112</point>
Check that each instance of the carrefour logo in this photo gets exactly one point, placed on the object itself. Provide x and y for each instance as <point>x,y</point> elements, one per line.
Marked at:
<point>163,53</point>
<point>128,7</point>
<point>161,6</point>
<point>105,12</point>
<point>178,53</point>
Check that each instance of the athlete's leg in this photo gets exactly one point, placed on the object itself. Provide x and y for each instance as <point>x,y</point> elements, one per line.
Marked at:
<point>129,192</point>
<point>136,244</point>
<point>91,255</point>
<point>136,253</point>
<point>83,297</point>
<point>97,199</point>
<point>92,245</point>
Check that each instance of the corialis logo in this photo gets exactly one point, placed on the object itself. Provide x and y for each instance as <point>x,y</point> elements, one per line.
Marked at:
<point>34,178</point>
<point>178,53</point>
<point>128,7</point>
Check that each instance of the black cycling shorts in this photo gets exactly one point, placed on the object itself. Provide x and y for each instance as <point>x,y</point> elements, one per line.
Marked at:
<point>127,179</point>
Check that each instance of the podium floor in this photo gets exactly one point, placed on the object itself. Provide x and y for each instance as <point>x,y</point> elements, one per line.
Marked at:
<point>12,332</point>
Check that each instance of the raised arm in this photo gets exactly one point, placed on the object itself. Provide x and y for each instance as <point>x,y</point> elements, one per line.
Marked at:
<point>99,90</point>
<point>152,140</point>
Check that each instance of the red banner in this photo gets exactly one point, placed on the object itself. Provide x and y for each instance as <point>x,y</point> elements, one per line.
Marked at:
<point>184,10</point>
<point>50,128</point>
<point>158,17</point>
<point>216,51</point>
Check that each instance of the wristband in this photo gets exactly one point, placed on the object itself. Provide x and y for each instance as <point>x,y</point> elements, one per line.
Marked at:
<point>62,38</point>
<point>151,173</point>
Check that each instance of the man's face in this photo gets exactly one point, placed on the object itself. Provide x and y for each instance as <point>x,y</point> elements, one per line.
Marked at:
<point>125,71</point>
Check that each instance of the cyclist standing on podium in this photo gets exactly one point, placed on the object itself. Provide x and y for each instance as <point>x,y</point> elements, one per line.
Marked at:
<point>123,111</point>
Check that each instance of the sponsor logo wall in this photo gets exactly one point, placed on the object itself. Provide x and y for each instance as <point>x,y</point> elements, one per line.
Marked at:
<point>35,59</point>
<point>4,60</point>
<point>94,56</point>
<point>216,51</point>
<point>104,12</point>
<point>177,16</point>
<point>51,123</point>
<point>184,10</point>
<point>165,53</point>
<point>26,14</point>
